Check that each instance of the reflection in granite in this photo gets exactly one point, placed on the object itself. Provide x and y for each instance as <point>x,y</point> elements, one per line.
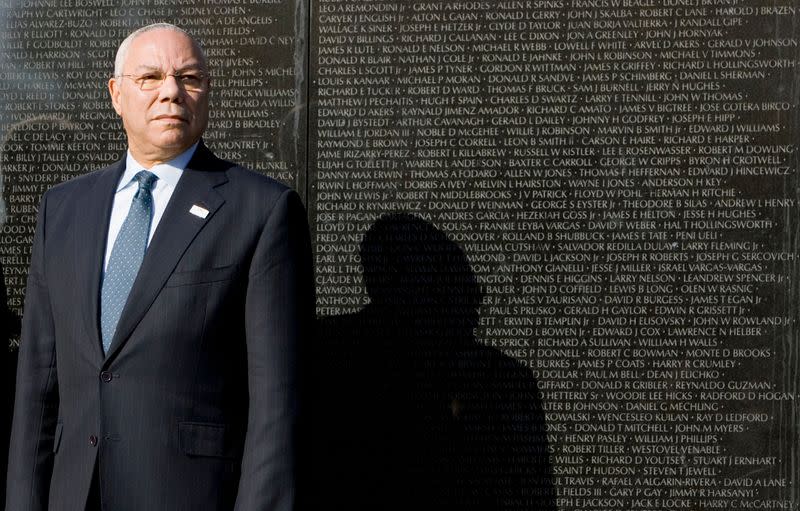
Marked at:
<point>411,411</point>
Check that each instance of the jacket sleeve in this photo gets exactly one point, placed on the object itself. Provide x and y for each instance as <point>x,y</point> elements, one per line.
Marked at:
<point>30,460</point>
<point>278,314</point>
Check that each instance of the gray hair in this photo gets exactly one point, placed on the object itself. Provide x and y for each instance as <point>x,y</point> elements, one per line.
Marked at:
<point>122,51</point>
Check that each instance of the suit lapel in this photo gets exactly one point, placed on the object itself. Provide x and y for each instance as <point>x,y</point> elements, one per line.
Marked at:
<point>91,233</point>
<point>175,232</point>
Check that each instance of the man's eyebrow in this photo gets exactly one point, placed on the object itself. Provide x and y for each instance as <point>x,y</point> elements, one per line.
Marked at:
<point>191,67</point>
<point>188,67</point>
<point>146,67</point>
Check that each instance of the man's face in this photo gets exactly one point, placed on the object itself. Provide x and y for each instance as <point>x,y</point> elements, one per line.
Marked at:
<point>163,122</point>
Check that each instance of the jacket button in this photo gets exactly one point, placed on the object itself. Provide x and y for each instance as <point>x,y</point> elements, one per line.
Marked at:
<point>92,440</point>
<point>106,376</point>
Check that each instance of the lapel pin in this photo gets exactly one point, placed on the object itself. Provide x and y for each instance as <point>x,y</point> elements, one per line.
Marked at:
<point>199,211</point>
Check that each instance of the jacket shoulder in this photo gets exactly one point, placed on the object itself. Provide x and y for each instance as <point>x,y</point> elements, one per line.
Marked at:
<point>259,193</point>
<point>245,176</point>
<point>246,182</point>
<point>76,185</point>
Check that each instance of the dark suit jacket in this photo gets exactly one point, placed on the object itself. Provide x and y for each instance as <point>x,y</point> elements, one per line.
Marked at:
<point>195,405</point>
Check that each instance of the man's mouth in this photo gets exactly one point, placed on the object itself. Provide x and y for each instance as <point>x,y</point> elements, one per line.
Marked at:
<point>169,117</point>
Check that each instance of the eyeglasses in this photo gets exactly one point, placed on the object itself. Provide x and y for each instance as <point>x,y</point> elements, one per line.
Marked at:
<point>191,82</point>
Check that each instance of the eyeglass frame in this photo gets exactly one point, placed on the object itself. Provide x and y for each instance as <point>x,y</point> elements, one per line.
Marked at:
<point>137,79</point>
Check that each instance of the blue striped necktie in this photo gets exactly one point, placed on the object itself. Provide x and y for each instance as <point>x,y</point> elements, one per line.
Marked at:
<point>126,257</point>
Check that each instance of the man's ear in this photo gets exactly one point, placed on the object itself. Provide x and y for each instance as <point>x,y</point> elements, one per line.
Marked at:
<point>114,89</point>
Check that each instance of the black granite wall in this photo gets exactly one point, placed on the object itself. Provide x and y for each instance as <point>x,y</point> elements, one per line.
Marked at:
<point>555,240</point>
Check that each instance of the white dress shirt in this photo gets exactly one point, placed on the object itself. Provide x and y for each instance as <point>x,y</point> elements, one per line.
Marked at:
<point>168,174</point>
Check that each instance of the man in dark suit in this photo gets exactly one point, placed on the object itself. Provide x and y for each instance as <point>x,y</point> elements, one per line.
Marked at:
<point>167,299</point>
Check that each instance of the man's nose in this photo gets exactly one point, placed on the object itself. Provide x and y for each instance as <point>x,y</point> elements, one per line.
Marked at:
<point>170,89</point>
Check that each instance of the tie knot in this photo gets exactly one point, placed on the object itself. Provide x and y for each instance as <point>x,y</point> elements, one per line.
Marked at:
<point>145,179</point>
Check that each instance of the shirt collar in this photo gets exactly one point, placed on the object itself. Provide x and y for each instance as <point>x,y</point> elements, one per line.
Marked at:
<point>168,172</point>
